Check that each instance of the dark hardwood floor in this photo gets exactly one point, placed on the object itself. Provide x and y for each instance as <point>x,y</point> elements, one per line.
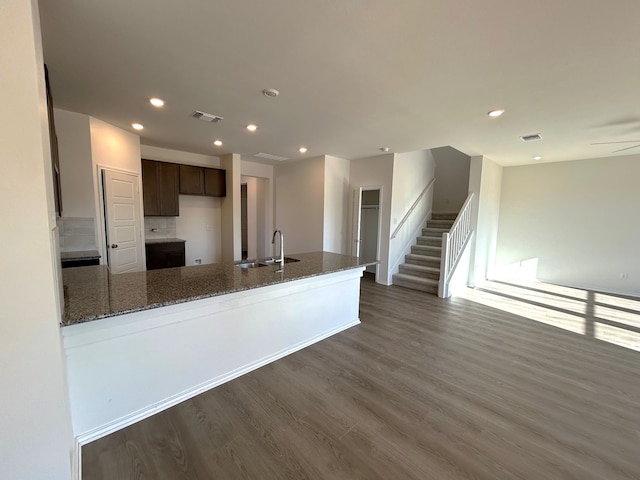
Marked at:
<point>424,388</point>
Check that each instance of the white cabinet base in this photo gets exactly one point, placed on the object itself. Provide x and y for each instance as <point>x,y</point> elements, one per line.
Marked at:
<point>126,368</point>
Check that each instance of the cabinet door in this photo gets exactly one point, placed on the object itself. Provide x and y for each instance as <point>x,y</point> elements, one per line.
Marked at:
<point>168,183</point>
<point>150,190</point>
<point>191,180</point>
<point>215,182</point>
<point>165,255</point>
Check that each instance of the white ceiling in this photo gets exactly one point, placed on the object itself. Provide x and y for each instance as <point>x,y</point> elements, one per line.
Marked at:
<point>355,75</point>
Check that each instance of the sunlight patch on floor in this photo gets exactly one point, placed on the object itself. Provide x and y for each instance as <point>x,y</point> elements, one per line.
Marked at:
<point>572,323</point>
<point>608,318</point>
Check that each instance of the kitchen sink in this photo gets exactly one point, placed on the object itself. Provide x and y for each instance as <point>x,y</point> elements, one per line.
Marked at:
<point>265,263</point>
<point>250,264</point>
<point>273,261</point>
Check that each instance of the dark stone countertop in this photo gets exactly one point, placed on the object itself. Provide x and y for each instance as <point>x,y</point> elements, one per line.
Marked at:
<point>150,241</point>
<point>80,255</point>
<point>92,293</point>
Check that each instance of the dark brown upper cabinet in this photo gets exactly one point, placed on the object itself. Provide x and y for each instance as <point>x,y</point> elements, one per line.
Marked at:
<point>215,182</point>
<point>202,181</point>
<point>191,180</point>
<point>160,188</point>
<point>53,143</point>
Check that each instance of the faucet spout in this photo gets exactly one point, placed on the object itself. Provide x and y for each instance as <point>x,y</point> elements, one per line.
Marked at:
<point>273,241</point>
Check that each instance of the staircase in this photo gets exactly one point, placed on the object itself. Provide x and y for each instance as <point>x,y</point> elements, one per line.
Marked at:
<point>421,270</point>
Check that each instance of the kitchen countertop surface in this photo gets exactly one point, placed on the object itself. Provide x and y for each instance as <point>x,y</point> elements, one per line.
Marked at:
<point>80,255</point>
<point>150,241</point>
<point>92,293</point>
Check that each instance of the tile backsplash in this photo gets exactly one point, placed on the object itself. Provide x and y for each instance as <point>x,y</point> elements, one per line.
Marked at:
<point>159,227</point>
<point>77,234</point>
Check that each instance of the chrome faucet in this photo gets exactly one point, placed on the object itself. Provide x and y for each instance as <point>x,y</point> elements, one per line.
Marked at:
<point>273,242</point>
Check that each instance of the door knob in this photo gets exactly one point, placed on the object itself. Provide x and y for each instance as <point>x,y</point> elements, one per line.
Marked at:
<point>114,245</point>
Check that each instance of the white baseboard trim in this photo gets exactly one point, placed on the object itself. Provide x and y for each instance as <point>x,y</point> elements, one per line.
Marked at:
<point>123,422</point>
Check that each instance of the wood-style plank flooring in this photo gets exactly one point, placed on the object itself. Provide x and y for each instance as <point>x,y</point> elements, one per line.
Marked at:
<point>424,388</point>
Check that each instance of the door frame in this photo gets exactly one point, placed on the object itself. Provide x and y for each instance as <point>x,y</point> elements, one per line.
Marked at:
<point>356,223</point>
<point>101,240</point>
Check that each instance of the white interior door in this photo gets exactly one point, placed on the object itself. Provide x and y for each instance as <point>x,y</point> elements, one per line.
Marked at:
<point>123,224</point>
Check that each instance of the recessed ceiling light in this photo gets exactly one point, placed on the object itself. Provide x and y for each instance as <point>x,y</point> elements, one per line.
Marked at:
<point>137,126</point>
<point>270,92</point>
<point>303,150</point>
<point>384,149</point>
<point>218,143</point>
<point>537,157</point>
<point>495,113</point>
<point>156,102</point>
<point>251,127</point>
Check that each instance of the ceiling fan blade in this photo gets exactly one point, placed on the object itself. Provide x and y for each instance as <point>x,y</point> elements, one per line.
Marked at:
<point>622,141</point>
<point>627,148</point>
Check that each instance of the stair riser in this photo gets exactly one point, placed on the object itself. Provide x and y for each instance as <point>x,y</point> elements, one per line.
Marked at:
<point>426,250</point>
<point>424,261</point>
<point>439,224</point>
<point>431,233</point>
<point>430,241</point>
<point>444,216</point>
<point>416,286</point>
<point>409,271</point>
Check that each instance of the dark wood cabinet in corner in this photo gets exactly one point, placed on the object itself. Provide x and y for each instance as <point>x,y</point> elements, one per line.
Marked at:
<point>191,180</point>
<point>215,182</point>
<point>53,142</point>
<point>160,188</point>
<point>210,182</point>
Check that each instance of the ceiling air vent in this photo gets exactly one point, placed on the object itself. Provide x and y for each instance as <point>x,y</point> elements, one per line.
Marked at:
<point>206,117</point>
<point>531,138</point>
<point>268,156</point>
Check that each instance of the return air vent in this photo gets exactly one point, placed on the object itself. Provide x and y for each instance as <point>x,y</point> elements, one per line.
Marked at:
<point>268,156</point>
<point>206,117</point>
<point>531,138</point>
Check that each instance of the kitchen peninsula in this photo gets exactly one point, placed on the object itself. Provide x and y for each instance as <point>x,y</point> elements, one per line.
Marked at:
<point>137,343</point>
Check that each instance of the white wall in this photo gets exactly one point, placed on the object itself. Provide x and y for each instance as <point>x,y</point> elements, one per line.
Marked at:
<point>336,205</point>
<point>200,220</point>
<point>231,212</point>
<point>178,156</point>
<point>579,219</point>
<point>485,180</point>
<point>299,201</point>
<point>35,421</point>
<point>118,149</point>
<point>375,172</point>
<point>199,224</point>
<point>452,179</point>
<point>76,171</point>
<point>412,172</point>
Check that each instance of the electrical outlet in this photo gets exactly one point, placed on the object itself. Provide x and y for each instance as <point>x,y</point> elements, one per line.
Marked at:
<point>197,261</point>
<point>624,276</point>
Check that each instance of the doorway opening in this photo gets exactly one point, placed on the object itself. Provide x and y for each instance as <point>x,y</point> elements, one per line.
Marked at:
<point>253,216</point>
<point>366,213</point>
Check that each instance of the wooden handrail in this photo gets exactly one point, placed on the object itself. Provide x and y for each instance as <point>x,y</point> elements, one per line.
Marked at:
<point>415,204</point>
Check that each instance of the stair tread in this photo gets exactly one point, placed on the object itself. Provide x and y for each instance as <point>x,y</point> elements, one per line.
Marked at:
<point>420,268</point>
<point>429,247</point>
<point>411,278</point>
<point>418,256</point>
